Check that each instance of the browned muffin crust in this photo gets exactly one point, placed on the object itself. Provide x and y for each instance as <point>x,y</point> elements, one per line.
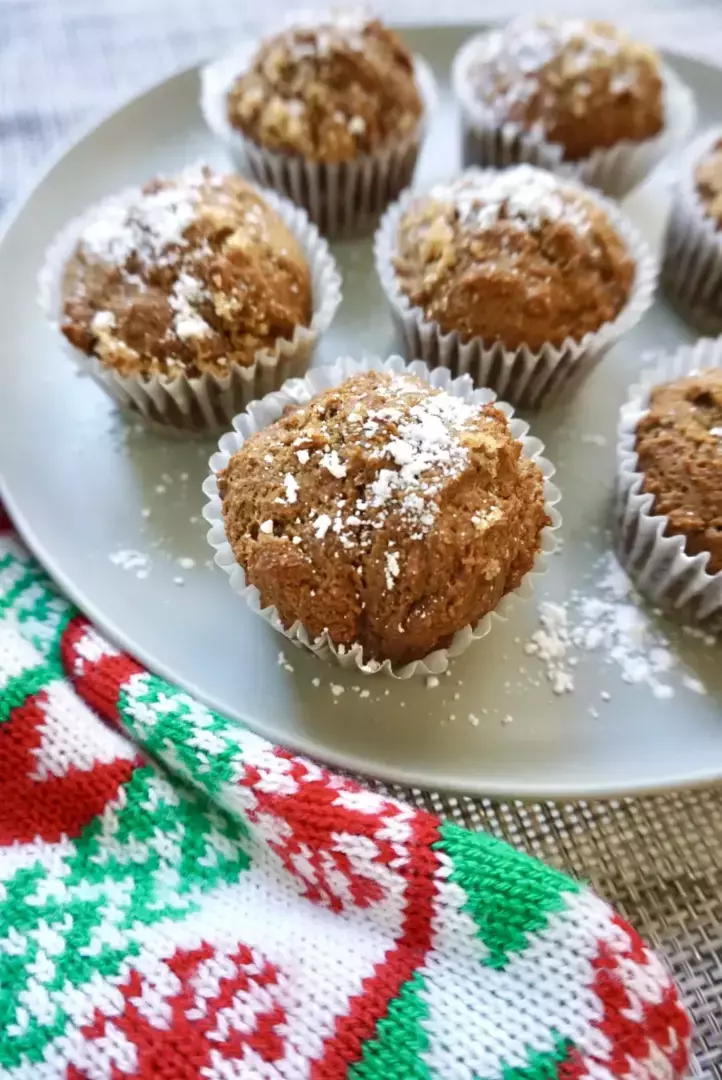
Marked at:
<point>582,84</point>
<point>520,259</point>
<point>328,92</point>
<point>384,512</point>
<point>197,275</point>
<point>679,444</point>
<point>708,182</point>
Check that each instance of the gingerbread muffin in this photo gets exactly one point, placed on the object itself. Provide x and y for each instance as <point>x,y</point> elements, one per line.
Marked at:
<point>583,85</point>
<point>515,257</point>
<point>190,297</point>
<point>196,274</point>
<point>328,92</point>
<point>578,97</point>
<point>384,513</point>
<point>679,450</point>
<point>330,111</point>
<point>692,259</point>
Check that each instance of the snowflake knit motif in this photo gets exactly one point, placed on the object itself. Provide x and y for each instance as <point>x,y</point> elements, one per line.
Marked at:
<point>181,899</point>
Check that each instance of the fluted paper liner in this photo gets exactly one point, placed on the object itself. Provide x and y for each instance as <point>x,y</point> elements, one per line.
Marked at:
<point>180,403</point>
<point>299,391</point>
<point>525,377</point>
<point>692,261</point>
<point>614,170</point>
<point>343,198</point>
<point>657,562</point>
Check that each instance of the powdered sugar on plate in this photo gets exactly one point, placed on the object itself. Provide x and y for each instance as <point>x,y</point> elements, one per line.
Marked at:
<point>611,621</point>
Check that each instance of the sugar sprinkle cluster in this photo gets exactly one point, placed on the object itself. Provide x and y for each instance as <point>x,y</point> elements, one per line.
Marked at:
<point>524,196</point>
<point>415,438</point>
<point>149,229</point>
<point>509,64</point>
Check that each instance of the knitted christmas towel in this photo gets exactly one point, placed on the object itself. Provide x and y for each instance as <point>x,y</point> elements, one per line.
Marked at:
<point>212,906</point>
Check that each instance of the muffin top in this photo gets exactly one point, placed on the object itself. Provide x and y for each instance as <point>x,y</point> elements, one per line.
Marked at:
<point>194,273</point>
<point>515,256</point>
<point>582,84</point>
<point>384,512</point>
<point>679,447</point>
<point>708,183</point>
<point>328,91</point>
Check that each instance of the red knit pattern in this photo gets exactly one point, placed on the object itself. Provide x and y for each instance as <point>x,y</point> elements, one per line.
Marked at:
<point>631,1024</point>
<point>56,805</point>
<point>179,1048</point>
<point>97,683</point>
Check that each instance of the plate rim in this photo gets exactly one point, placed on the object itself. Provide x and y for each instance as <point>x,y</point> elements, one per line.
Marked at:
<point>526,792</point>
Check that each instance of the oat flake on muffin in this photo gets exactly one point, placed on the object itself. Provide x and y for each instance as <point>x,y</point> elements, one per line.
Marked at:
<point>329,89</point>
<point>196,274</point>
<point>584,85</point>
<point>384,513</point>
<point>521,258</point>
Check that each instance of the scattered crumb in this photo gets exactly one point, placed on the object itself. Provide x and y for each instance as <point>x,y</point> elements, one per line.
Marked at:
<point>186,563</point>
<point>128,559</point>
<point>507,719</point>
<point>608,619</point>
<point>595,440</point>
<point>364,693</point>
<point>593,712</point>
<point>194,520</point>
<point>184,476</point>
<point>316,681</point>
<point>694,684</point>
<point>145,512</point>
<point>431,682</point>
<point>160,489</point>
<point>337,690</point>
<point>605,695</point>
<point>473,720</point>
<point>179,580</point>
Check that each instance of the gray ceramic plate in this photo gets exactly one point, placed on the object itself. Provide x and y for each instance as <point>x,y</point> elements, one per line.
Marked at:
<point>78,479</point>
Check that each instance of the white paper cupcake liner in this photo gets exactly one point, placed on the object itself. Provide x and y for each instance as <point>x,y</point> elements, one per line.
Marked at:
<point>525,377</point>
<point>692,260</point>
<point>209,402</point>
<point>657,562</point>
<point>300,391</point>
<point>342,198</point>
<point>615,170</point>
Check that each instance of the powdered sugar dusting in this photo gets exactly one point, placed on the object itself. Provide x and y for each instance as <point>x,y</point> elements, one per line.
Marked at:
<point>150,226</point>
<point>187,322</point>
<point>526,196</point>
<point>415,440</point>
<point>392,568</point>
<point>533,57</point>
<point>609,620</point>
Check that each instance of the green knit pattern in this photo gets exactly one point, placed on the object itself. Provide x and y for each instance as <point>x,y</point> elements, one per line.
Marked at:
<point>509,895</point>
<point>395,1052</point>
